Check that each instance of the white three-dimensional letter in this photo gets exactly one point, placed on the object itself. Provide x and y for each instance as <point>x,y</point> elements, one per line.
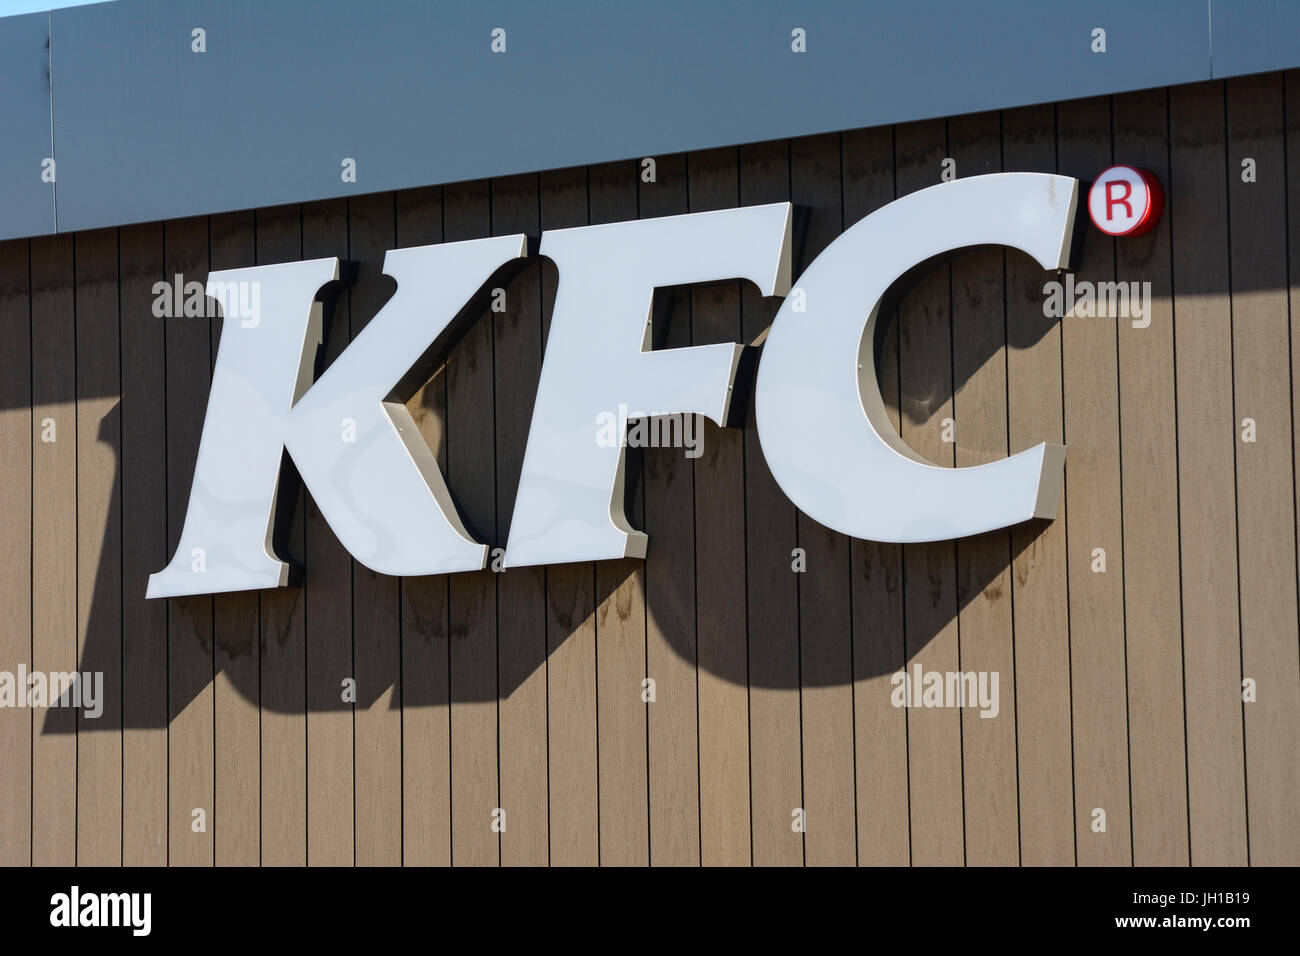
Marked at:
<point>359,453</point>
<point>821,421</point>
<point>598,357</point>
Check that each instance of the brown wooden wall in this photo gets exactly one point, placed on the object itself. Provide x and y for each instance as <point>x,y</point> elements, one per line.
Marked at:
<point>1119,690</point>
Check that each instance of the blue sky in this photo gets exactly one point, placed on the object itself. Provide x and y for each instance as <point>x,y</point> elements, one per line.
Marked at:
<point>9,8</point>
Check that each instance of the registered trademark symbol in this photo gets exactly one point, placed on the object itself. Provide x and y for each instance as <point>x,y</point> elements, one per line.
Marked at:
<point>1125,201</point>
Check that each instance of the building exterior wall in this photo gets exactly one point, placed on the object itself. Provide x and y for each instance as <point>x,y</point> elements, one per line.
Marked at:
<point>1120,689</point>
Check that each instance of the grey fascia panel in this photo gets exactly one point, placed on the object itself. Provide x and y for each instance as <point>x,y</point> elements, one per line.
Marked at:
<point>26,200</point>
<point>146,129</point>
<point>1253,36</point>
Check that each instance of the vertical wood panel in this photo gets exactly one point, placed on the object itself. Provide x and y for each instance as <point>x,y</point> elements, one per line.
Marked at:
<point>523,691</point>
<point>879,728</point>
<point>572,788</point>
<point>673,719</point>
<point>1265,482</point>
<point>144,550</point>
<point>1038,582</point>
<point>621,622</point>
<point>1198,210</point>
<point>327,585</point>
<point>376,622</point>
<point>17,436</point>
<point>521,592</point>
<point>471,468</point>
<point>825,623</point>
<point>1291,100</point>
<point>99,548</point>
<point>1148,444</point>
<point>1093,520</point>
<point>979,369</point>
<point>54,545</point>
<point>237,713</point>
<point>189,619</point>
<point>771,535</point>
<point>282,646</point>
<point>719,563</point>
<point>929,570</point>
<point>426,731</point>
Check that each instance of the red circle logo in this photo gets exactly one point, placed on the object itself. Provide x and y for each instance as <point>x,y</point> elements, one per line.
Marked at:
<point>1125,201</point>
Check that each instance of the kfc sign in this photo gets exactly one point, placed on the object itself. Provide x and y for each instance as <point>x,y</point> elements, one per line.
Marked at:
<point>819,414</point>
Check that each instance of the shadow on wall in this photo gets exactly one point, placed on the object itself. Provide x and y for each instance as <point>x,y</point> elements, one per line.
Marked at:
<point>671,576</point>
